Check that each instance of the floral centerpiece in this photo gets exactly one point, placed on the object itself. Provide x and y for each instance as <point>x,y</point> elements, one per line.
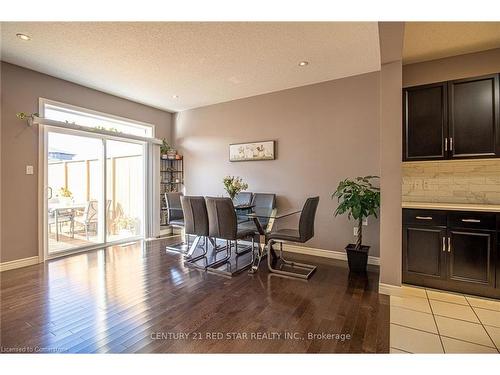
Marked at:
<point>233,185</point>
<point>65,195</point>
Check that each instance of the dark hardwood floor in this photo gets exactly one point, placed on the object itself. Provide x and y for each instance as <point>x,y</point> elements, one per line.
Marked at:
<point>139,298</point>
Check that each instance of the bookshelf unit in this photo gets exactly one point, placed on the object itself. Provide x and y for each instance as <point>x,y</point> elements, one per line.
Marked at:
<point>171,180</point>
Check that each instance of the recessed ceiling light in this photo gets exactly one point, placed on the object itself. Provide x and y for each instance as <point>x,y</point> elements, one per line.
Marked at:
<point>303,63</point>
<point>23,36</point>
<point>175,96</point>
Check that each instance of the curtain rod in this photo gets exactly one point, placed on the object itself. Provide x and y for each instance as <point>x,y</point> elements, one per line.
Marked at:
<point>73,126</point>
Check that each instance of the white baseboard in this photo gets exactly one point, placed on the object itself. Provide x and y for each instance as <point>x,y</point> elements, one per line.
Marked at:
<point>18,263</point>
<point>388,289</point>
<point>332,254</point>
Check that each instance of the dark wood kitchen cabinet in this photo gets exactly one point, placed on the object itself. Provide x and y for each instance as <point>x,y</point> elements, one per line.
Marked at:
<point>452,250</point>
<point>473,117</point>
<point>452,120</point>
<point>470,257</point>
<point>423,256</point>
<point>425,126</point>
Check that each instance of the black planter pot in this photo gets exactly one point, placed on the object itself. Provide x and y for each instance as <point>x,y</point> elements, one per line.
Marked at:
<point>357,259</point>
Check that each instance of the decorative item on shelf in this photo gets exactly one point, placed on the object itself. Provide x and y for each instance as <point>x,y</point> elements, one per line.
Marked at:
<point>252,151</point>
<point>164,149</point>
<point>171,154</point>
<point>359,198</point>
<point>178,157</point>
<point>234,185</point>
<point>29,118</point>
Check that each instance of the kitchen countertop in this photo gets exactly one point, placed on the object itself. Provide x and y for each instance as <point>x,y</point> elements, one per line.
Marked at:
<point>453,206</point>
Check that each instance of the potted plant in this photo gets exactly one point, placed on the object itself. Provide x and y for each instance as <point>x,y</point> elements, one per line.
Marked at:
<point>164,149</point>
<point>359,198</point>
<point>234,185</point>
<point>126,225</point>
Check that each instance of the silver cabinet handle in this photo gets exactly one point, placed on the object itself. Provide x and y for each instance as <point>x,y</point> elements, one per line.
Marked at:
<point>444,243</point>
<point>451,144</point>
<point>449,244</point>
<point>423,217</point>
<point>471,220</point>
<point>446,144</point>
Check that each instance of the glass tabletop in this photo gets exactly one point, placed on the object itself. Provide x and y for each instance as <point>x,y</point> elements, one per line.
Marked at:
<point>268,213</point>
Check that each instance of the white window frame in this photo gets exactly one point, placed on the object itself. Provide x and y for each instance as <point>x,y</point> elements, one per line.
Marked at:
<point>43,101</point>
<point>150,171</point>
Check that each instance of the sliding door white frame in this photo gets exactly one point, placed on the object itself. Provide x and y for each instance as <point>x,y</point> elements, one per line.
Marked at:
<point>150,188</point>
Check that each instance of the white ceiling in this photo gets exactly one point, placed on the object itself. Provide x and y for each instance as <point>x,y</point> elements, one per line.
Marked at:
<point>425,41</point>
<point>203,63</point>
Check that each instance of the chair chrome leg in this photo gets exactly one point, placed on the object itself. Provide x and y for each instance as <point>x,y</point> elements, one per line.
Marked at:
<point>224,260</point>
<point>193,247</point>
<point>201,256</point>
<point>243,251</point>
<point>307,267</point>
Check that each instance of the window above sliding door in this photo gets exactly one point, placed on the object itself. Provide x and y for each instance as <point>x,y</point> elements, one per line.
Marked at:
<point>57,111</point>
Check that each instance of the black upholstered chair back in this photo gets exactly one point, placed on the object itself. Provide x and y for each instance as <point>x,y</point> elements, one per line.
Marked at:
<point>174,207</point>
<point>222,222</point>
<point>266,200</point>
<point>195,215</point>
<point>243,198</point>
<point>306,222</point>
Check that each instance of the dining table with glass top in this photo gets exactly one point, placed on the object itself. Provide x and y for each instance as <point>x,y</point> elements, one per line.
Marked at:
<point>264,219</point>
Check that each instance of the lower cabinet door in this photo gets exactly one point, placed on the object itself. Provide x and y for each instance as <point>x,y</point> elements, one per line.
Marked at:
<point>424,251</point>
<point>497,260</point>
<point>471,257</point>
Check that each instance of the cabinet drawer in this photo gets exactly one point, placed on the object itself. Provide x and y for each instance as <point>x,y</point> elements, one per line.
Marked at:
<point>424,217</point>
<point>472,220</point>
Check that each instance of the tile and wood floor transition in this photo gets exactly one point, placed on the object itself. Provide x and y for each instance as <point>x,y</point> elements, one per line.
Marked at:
<point>431,321</point>
<point>140,298</point>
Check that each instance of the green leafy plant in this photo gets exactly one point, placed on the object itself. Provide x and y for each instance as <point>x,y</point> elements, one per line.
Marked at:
<point>234,185</point>
<point>359,198</point>
<point>99,127</point>
<point>165,147</point>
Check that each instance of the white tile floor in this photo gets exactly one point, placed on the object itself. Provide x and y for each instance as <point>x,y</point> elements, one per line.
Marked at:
<point>431,321</point>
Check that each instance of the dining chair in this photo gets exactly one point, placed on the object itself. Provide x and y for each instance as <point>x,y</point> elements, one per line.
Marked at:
<point>260,201</point>
<point>303,234</point>
<point>264,200</point>
<point>223,224</point>
<point>58,217</point>
<point>89,217</point>
<point>175,218</point>
<point>195,224</point>
<point>243,198</point>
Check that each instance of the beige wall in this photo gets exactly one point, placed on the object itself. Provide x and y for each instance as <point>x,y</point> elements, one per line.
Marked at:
<point>21,89</point>
<point>456,67</point>
<point>324,132</point>
<point>390,164</point>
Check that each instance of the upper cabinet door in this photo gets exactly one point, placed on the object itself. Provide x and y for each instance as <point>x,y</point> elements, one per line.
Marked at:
<point>473,117</point>
<point>424,122</point>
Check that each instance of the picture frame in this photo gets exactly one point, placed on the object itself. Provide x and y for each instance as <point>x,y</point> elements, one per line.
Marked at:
<point>252,151</point>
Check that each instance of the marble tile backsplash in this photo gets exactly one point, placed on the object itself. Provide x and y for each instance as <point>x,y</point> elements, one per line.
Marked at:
<point>456,181</point>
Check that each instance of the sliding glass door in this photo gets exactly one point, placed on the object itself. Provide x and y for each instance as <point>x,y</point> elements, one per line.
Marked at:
<point>124,190</point>
<point>95,190</point>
